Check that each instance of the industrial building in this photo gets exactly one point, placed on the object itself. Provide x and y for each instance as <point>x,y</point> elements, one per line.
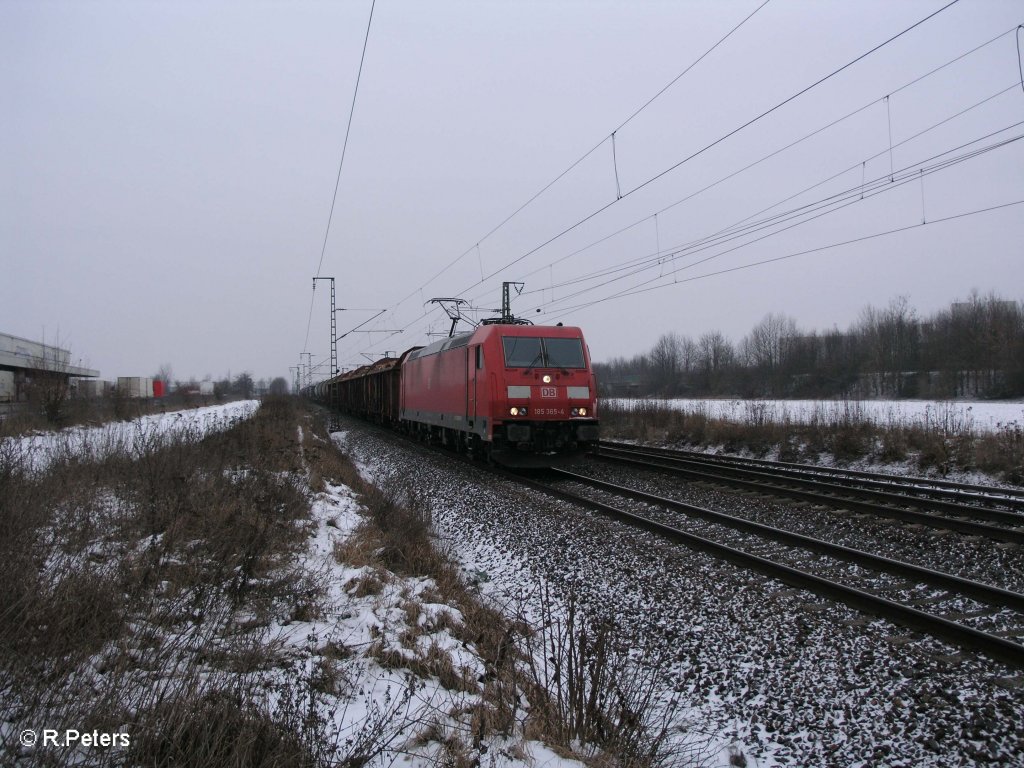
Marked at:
<point>24,363</point>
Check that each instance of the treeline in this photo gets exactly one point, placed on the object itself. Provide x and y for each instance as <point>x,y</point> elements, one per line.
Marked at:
<point>975,348</point>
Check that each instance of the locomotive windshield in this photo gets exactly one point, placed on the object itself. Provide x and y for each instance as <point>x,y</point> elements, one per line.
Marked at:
<point>532,352</point>
<point>564,353</point>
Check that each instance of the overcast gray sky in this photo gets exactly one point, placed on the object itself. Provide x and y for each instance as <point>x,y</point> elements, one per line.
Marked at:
<point>168,168</point>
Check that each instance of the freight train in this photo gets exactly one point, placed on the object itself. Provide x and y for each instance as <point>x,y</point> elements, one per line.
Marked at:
<point>514,394</point>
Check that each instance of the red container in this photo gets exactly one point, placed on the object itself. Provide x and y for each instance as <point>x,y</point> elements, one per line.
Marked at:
<point>158,388</point>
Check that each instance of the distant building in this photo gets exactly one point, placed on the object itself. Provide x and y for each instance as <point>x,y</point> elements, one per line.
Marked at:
<point>135,387</point>
<point>24,362</point>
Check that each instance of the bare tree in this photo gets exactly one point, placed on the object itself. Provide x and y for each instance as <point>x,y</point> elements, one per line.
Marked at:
<point>48,384</point>
<point>243,385</point>
<point>892,337</point>
<point>666,359</point>
<point>165,373</point>
<point>977,345</point>
<point>715,354</point>
<point>764,347</point>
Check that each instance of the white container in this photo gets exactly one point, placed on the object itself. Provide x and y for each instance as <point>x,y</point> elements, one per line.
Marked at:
<point>135,386</point>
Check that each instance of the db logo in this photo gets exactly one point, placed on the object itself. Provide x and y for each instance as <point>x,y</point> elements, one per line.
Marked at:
<point>548,392</point>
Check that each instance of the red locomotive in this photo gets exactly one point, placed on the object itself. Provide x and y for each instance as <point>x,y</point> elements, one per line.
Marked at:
<point>521,395</point>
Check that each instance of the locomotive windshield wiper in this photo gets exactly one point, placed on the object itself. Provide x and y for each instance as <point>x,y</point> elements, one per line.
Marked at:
<point>536,361</point>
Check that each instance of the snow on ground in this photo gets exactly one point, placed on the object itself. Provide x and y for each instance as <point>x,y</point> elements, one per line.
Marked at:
<point>945,415</point>
<point>92,443</point>
<point>367,612</point>
<point>347,645</point>
<point>771,676</point>
<point>512,580</point>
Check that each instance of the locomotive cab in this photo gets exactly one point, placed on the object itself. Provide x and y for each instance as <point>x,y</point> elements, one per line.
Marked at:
<point>546,404</point>
<point>522,395</point>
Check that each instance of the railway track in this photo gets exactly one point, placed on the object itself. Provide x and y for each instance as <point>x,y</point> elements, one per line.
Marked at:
<point>973,510</point>
<point>973,615</point>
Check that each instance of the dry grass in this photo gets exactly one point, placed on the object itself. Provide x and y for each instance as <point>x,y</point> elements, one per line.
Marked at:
<point>588,687</point>
<point>138,590</point>
<point>941,444</point>
<point>217,728</point>
<point>123,582</point>
<point>81,411</point>
<point>608,718</point>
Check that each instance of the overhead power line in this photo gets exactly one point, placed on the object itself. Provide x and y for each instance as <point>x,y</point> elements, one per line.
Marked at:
<point>714,143</point>
<point>742,226</point>
<point>639,290</point>
<point>702,150</point>
<point>573,165</point>
<point>792,144</point>
<point>802,215</point>
<point>341,163</point>
<point>584,156</point>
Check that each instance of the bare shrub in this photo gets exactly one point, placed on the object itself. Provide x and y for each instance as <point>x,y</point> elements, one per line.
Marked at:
<point>850,442</point>
<point>1002,452</point>
<point>893,445</point>
<point>369,583</point>
<point>216,728</point>
<point>435,662</point>
<point>403,520</point>
<point>123,567</point>
<point>587,688</point>
<point>946,439</point>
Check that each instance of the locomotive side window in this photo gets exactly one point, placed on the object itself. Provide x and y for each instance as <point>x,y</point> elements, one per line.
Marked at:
<point>531,352</point>
<point>564,353</point>
<point>479,358</point>
<point>522,351</point>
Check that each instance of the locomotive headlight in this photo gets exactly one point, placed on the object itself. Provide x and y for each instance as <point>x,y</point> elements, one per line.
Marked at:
<point>583,411</point>
<point>579,411</point>
<point>546,378</point>
<point>519,410</point>
<point>513,411</point>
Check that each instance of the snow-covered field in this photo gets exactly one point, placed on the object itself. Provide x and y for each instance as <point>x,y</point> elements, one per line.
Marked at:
<point>91,443</point>
<point>944,415</point>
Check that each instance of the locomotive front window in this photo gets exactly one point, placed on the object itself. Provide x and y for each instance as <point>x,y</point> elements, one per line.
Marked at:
<point>522,351</point>
<point>564,353</point>
<point>533,352</point>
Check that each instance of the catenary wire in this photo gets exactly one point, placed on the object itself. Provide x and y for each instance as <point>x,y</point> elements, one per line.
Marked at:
<point>632,292</point>
<point>716,142</point>
<point>425,315</point>
<point>740,225</point>
<point>804,138</point>
<point>572,166</point>
<point>830,204</point>
<point>341,163</point>
<point>687,159</point>
<point>583,157</point>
